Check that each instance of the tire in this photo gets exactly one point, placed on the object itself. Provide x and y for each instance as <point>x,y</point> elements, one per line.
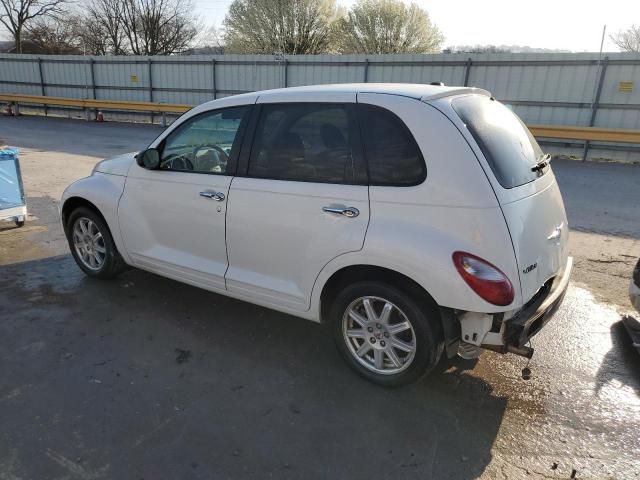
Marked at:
<point>19,223</point>
<point>104,248</point>
<point>423,335</point>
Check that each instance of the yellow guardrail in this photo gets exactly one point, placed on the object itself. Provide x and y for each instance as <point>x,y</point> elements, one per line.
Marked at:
<point>595,134</point>
<point>566,132</point>
<point>97,104</point>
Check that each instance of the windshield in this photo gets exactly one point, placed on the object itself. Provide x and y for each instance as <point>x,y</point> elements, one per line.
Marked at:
<point>505,141</point>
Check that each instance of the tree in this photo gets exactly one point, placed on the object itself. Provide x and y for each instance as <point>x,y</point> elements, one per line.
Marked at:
<point>16,15</point>
<point>102,30</point>
<point>387,26</point>
<point>158,27</point>
<point>628,40</point>
<point>279,26</point>
<point>54,37</point>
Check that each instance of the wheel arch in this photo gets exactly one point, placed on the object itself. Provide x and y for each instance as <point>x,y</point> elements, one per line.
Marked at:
<point>101,193</point>
<point>359,272</point>
<point>72,203</point>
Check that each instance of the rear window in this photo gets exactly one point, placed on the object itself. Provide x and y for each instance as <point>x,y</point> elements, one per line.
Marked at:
<point>505,141</point>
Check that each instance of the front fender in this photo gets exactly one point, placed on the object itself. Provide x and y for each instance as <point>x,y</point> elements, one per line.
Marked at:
<point>104,192</point>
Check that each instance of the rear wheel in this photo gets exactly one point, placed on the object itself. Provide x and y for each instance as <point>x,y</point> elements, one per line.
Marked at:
<point>91,244</point>
<point>385,334</point>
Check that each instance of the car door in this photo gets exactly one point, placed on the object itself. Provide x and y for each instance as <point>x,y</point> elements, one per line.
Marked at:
<point>173,218</point>
<point>301,201</point>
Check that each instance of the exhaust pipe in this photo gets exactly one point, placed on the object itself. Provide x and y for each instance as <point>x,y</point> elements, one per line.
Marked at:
<point>526,352</point>
<point>522,351</point>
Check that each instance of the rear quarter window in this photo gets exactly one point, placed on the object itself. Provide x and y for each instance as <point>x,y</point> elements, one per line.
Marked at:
<point>392,154</point>
<point>505,141</point>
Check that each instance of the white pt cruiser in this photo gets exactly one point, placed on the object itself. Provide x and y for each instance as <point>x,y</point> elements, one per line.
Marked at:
<point>413,219</point>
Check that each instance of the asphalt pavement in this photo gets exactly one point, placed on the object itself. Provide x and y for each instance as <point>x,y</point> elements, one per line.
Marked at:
<point>146,378</point>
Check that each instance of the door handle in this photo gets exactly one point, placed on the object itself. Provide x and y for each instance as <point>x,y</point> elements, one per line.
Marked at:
<point>217,196</point>
<point>556,233</point>
<point>350,212</point>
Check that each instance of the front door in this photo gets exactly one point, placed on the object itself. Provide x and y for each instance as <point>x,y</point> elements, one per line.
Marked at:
<point>173,219</point>
<point>301,202</point>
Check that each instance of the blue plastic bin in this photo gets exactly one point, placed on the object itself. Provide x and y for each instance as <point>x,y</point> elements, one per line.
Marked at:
<point>13,206</point>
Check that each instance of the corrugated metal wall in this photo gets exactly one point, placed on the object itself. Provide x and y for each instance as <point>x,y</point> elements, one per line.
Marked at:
<point>558,89</point>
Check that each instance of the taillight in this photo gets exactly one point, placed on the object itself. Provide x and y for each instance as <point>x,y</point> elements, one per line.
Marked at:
<point>484,278</point>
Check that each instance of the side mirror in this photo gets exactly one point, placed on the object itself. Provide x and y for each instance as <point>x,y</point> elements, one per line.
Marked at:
<point>149,159</point>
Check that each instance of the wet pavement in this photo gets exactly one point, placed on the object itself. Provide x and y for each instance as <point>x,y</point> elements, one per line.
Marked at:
<point>143,377</point>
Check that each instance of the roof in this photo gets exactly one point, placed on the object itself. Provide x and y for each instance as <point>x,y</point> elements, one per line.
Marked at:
<point>412,90</point>
<point>417,91</point>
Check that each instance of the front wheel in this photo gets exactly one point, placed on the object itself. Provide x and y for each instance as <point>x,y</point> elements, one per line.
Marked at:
<point>91,244</point>
<point>385,334</point>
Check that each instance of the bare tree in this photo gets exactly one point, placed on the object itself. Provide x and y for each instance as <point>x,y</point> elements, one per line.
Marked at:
<point>279,26</point>
<point>628,40</point>
<point>158,27</point>
<point>52,36</point>
<point>387,26</point>
<point>16,15</point>
<point>102,31</point>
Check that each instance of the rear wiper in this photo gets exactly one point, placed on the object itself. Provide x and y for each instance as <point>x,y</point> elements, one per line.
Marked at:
<point>542,162</point>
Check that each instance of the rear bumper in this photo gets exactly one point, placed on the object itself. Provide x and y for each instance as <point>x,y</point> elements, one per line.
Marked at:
<point>530,320</point>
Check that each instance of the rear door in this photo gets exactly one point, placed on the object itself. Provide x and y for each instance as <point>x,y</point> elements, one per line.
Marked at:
<point>302,199</point>
<point>529,195</point>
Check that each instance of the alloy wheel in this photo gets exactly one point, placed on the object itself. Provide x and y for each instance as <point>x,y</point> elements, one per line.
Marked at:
<point>89,243</point>
<point>379,335</point>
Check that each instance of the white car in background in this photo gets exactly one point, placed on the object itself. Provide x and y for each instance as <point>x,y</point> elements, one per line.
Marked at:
<point>414,219</point>
<point>630,323</point>
<point>634,287</point>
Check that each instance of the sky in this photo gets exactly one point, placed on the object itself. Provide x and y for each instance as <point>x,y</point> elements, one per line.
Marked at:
<point>572,25</point>
<point>557,24</point>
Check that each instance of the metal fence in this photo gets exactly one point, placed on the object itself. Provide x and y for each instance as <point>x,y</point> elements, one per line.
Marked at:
<point>580,89</point>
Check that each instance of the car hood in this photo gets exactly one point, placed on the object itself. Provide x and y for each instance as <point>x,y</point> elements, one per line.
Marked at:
<point>116,165</point>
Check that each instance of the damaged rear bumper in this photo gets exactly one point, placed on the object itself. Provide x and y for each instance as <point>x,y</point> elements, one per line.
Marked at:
<point>526,323</point>
<point>511,334</point>
<point>530,320</point>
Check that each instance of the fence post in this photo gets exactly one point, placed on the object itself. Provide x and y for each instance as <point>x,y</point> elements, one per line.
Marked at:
<point>93,78</point>
<point>42,90</point>
<point>150,84</point>
<point>286,63</point>
<point>213,77</point>
<point>467,69</point>
<point>93,85</point>
<point>595,104</point>
<point>366,70</point>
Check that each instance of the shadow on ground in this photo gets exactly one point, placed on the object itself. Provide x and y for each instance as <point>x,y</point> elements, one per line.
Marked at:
<point>621,365</point>
<point>144,377</point>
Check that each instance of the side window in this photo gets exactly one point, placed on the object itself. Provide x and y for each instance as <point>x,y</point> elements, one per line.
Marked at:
<point>303,142</point>
<point>203,144</point>
<point>392,154</point>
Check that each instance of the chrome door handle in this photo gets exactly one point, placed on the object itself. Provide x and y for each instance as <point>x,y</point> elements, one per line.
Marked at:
<point>217,196</point>
<point>350,212</point>
<point>556,233</point>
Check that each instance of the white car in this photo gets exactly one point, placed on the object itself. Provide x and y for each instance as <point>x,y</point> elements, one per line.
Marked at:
<point>414,219</point>
<point>634,287</point>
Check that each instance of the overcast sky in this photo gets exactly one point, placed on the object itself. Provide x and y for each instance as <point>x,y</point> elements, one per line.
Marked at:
<point>574,25</point>
<point>559,24</point>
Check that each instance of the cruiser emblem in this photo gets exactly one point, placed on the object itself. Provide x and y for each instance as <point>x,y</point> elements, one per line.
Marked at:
<point>530,267</point>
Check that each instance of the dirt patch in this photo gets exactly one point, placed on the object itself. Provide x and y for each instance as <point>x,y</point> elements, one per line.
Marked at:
<point>604,264</point>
